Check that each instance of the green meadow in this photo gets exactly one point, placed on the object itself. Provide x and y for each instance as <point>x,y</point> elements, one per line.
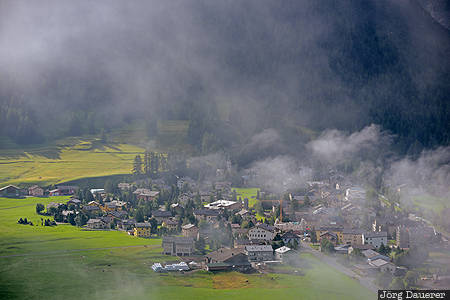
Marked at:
<point>68,160</point>
<point>65,262</point>
<point>249,193</point>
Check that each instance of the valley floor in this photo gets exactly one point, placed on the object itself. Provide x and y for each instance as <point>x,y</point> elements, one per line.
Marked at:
<point>65,262</point>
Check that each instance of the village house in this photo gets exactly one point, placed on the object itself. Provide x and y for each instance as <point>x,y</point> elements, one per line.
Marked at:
<point>118,215</point>
<point>290,238</point>
<point>74,201</point>
<point>146,194</point>
<point>91,209</point>
<point>35,191</point>
<point>209,215</point>
<point>142,230</point>
<point>375,238</point>
<point>189,230</point>
<point>245,214</point>
<point>259,252</point>
<point>335,229</point>
<point>161,215</point>
<point>127,224</point>
<point>171,225</point>
<point>330,236</point>
<point>96,224</point>
<point>94,203</point>
<point>177,246</point>
<point>372,255</point>
<point>341,249</point>
<point>352,236</point>
<point>383,265</point>
<point>63,190</point>
<point>360,248</point>
<point>10,191</point>
<point>227,259</point>
<point>224,204</point>
<point>124,186</point>
<point>262,232</point>
<point>291,226</point>
<point>97,191</point>
<point>114,205</point>
<point>283,253</point>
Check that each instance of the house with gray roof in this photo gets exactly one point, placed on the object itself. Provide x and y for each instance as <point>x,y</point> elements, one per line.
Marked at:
<point>259,252</point>
<point>177,245</point>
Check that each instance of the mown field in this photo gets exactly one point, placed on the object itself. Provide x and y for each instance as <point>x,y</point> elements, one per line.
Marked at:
<point>68,160</point>
<point>249,193</point>
<point>65,262</point>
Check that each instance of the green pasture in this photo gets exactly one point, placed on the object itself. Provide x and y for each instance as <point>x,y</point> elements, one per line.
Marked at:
<point>249,193</point>
<point>65,262</point>
<point>435,204</point>
<point>69,160</point>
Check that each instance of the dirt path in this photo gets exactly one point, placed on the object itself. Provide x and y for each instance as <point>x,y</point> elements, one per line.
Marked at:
<point>76,250</point>
<point>365,281</point>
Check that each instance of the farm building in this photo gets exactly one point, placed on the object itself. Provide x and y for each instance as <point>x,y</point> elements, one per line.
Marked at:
<point>10,191</point>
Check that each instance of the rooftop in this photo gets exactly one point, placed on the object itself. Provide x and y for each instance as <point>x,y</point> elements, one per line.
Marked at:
<point>259,248</point>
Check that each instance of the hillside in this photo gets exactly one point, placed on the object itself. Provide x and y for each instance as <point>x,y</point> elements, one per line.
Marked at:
<point>65,160</point>
<point>236,70</point>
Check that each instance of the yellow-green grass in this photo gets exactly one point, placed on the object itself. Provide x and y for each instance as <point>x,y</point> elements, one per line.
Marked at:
<point>53,265</point>
<point>81,159</point>
<point>435,204</point>
<point>249,193</point>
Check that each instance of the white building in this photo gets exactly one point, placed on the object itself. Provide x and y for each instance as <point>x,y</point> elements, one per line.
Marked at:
<point>375,238</point>
<point>224,204</point>
<point>262,232</point>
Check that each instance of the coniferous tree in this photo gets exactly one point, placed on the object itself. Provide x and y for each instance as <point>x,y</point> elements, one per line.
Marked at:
<point>137,166</point>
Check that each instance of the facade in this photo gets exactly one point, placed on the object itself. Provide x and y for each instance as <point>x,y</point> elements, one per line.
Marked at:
<point>189,230</point>
<point>359,247</point>
<point>179,246</point>
<point>259,252</point>
<point>224,204</point>
<point>35,191</point>
<point>375,238</point>
<point>331,236</point>
<point>208,215</point>
<point>170,224</point>
<point>290,238</point>
<point>161,215</point>
<point>383,265</point>
<point>146,194</point>
<point>262,232</point>
<point>352,236</point>
<point>10,191</point>
<point>337,230</point>
<point>96,224</point>
<point>127,224</point>
<point>233,258</point>
<point>282,253</point>
<point>142,230</point>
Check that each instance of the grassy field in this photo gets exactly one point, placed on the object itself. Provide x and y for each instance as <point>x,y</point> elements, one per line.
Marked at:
<point>38,262</point>
<point>249,193</point>
<point>67,160</point>
<point>431,203</point>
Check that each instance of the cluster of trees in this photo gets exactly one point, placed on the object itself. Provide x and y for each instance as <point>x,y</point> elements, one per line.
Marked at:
<point>388,281</point>
<point>151,165</point>
<point>24,222</point>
